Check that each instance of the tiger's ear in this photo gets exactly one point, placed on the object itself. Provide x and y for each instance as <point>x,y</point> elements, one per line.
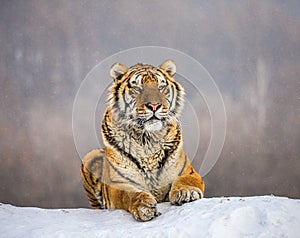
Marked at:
<point>169,66</point>
<point>117,71</point>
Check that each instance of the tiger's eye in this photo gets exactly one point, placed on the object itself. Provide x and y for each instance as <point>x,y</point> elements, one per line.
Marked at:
<point>137,88</point>
<point>161,87</point>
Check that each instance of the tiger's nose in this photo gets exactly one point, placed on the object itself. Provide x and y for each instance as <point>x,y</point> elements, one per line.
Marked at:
<point>153,106</point>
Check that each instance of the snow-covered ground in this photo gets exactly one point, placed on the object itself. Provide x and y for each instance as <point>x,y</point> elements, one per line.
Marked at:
<point>263,217</point>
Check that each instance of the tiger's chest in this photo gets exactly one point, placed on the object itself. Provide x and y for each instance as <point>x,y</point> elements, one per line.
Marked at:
<point>147,160</point>
<point>152,172</point>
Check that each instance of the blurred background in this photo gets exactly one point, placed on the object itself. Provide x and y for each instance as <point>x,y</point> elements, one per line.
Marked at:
<point>251,48</point>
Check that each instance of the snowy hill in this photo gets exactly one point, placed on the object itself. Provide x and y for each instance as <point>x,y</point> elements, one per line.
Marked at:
<point>263,217</point>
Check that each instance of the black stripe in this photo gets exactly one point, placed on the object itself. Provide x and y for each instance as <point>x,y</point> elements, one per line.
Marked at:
<point>90,194</point>
<point>166,76</point>
<point>107,133</point>
<point>122,175</point>
<point>97,159</point>
<point>105,195</point>
<point>177,86</point>
<point>85,175</point>
<point>116,92</point>
<point>126,103</point>
<point>96,206</point>
<point>183,167</point>
<point>172,98</point>
<point>169,151</point>
<point>93,199</point>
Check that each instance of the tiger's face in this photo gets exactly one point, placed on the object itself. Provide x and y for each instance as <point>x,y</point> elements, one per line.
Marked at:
<point>146,96</point>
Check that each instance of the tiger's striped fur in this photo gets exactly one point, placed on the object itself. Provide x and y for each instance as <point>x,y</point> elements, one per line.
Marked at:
<point>143,161</point>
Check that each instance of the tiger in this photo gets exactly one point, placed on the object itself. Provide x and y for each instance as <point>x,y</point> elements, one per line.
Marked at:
<point>143,162</point>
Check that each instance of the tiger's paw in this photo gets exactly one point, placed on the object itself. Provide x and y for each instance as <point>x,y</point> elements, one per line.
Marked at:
<point>144,207</point>
<point>184,194</point>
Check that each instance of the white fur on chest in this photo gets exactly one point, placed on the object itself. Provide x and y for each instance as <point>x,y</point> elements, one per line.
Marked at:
<point>153,125</point>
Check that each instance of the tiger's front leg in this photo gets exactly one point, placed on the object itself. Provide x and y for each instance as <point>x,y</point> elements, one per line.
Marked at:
<point>141,204</point>
<point>187,188</point>
<point>105,192</point>
<point>143,207</point>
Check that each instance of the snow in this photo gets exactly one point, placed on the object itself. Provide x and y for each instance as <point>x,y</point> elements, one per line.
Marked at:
<point>263,217</point>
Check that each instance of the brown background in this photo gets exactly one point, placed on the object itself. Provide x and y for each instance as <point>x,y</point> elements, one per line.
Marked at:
<point>252,50</point>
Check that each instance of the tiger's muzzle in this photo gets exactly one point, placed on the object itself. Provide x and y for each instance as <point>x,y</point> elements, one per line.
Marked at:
<point>151,108</point>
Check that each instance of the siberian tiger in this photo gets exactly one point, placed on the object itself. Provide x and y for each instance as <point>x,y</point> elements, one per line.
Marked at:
<point>143,161</point>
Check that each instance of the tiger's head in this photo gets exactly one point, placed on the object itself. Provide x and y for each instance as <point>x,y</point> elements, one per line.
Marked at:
<point>146,96</point>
